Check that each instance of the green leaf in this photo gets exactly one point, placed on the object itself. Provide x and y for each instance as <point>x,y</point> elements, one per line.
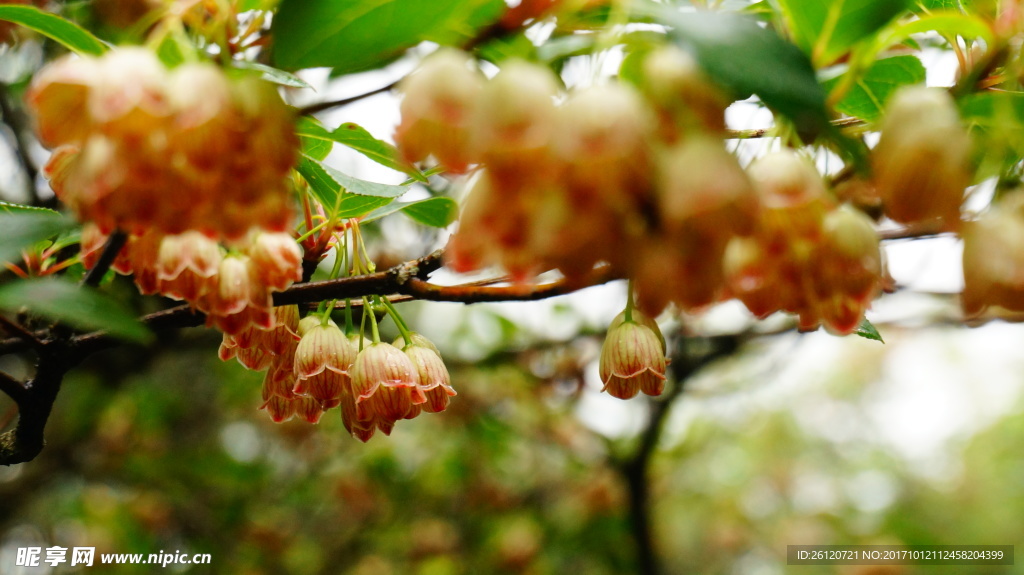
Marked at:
<point>358,139</point>
<point>271,74</point>
<point>741,55</point>
<point>71,35</point>
<point>826,29</point>
<point>357,35</point>
<point>328,188</point>
<point>434,212</point>
<point>24,226</point>
<point>867,98</point>
<point>867,330</point>
<point>9,208</point>
<point>81,307</point>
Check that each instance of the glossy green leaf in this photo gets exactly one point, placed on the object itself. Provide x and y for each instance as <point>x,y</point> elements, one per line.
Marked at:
<point>867,330</point>
<point>866,99</point>
<point>66,32</point>
<point>24,226</point>
<point>356,35</point>
<point>332,188</point>
<point>271,74</point>
<point>357,138</point>
<point>826,29</point>
<point>81,307</point>
<point>748,59</point>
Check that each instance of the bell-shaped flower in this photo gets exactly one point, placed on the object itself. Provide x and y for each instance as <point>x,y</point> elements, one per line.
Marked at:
<point>633,359</point>
<point>435,382</point>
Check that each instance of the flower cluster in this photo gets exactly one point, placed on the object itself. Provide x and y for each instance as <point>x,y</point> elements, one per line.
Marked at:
<point>312,366</point>
<point>636,176</point>
<point>233,288</point>
<point>806,256</point>
<point>140,147</point>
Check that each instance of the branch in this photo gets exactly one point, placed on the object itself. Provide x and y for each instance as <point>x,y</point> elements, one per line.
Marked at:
<point>12,387</point>
<point>315,108</point>
<point>16,329</point>
<point>35,402</point>
<point>113,247</point>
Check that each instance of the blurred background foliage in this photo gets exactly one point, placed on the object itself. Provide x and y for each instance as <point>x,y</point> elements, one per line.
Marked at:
<point>775,444</point>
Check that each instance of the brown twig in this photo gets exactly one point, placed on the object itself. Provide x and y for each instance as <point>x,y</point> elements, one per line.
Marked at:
<point>316,108</point>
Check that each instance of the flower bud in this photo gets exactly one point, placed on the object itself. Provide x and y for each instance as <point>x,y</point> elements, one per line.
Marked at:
<point>682,93</point>
<point>632,360</point>
<point>993,258</point>
<point>439,102</point>
<point>704,189</point>
<point>921,162</point>
<point>277,260</point>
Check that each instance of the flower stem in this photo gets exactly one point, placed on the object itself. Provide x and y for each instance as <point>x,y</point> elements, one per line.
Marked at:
<point>402,327</point>
<point>629,301</point>
<point>373,319</point>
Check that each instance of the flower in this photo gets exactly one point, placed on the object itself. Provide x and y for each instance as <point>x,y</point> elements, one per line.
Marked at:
<point>633,357</point>
<point>385,386</point>
<point>435,382</point>
<point>322,361</point>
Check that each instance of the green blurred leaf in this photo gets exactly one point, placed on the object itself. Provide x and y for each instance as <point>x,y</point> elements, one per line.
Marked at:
<point>867,98</point>
<point>80,307</point>
<point>356,35</point>
<point>867,330</point>
<point>748,59</point>
<point>71,35</point>
<point>326,185</point>
<point>826,29</point>
<point>24,226</point>
<point>947,22</point>
<point>355,137</point>
<point>271,74</point>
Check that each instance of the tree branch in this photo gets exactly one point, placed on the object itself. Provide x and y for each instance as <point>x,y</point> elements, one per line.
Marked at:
<point>16,329</point>
<point>12,387</point>
<point>35,402</point>
<point>113,247</point>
